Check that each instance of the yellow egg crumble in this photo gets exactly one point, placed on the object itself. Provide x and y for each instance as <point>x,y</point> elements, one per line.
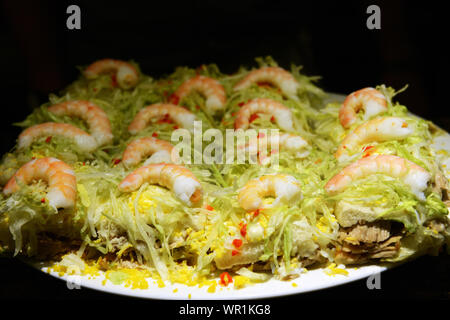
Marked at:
<point>138,278</point>
<point>332,270</point>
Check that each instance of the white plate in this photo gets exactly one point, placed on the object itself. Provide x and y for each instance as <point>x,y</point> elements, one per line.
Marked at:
<point>312,280</point>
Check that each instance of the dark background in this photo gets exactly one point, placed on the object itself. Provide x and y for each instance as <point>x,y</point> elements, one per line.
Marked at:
<point>39,55</point>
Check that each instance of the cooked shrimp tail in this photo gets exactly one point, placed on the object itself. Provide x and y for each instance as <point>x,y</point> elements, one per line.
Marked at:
<point>376,130</point>
<point>178,178</point>
<point>410,173</point>
<point>125,73</point>
<point>161,152</point>
<point>370,100</point>
<point>181,116</point>
<point>95,117</point>
<point>273,75</point>
<point>284,187</point>
<point>62,186</point>
<point>82,139</point>
<point>210,88</point>
<point>282,114</point>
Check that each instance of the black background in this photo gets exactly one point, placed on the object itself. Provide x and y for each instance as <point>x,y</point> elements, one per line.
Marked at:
<point>39,55</point>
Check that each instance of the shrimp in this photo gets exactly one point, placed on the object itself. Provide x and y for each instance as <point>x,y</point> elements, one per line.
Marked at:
<point>160,151</point>
<point>178,178</point>
<point>274,75</point>
<point>287,141</point>
<point>379,129</point>
<point>82,139</point>
<point>284,187</point>
<point>62,185</point>
<point>284,141</point>
<point>125,73</point>
<point>371,100</point>
<point>213,91</point>
<point>410,173</point>
<point>95,117</point>
<point>181,116</point>
<point>282,114</point>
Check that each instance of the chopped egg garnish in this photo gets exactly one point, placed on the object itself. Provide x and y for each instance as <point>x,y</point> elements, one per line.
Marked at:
<point>212,287</point>
<point>240,282</point>
<point>333,270</point>
<point>148,198</point>
<point>322,225</point>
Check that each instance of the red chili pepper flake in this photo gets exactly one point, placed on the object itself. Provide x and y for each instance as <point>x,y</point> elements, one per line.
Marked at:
<point>199,69</point>
<point>32,158</point>
<point>264,84</point>
<point>208,207</point>
<point>84,163</point>
<point>165,119</point>
<point>256,213</point>
<point>174,99</point>
<point>114,80</point>
<point>154,134</point>
<point>49,138</point>
<point>175,127</point>
<point>237,243</point>
<point>225,279</point>
<point>253,117</point>
<point>366,151</point>
<point>43,200</point>
<point>117,161</point>
<point>272,118</point>
<point>243,229</point>
<point>261,135</point>
<point>240,104</point>
<point>234,253</point>
<point>197,107</point>
<point>318,161</point>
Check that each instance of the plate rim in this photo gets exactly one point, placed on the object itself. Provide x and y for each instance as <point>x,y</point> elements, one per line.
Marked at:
<point>192,293</point>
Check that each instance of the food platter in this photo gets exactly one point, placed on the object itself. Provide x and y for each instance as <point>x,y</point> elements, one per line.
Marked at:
<point>311,280</point>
